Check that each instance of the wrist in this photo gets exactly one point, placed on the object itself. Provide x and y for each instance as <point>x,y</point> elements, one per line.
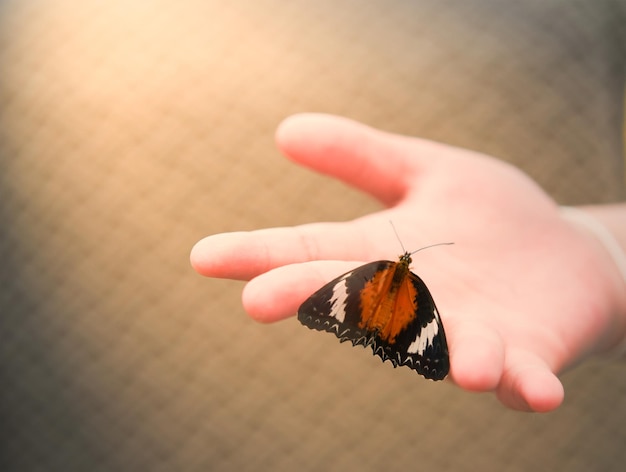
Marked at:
<point>607,225</point>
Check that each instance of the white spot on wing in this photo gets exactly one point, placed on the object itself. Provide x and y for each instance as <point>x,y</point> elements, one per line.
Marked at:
<point>425,337</point>
<point>339,298</point>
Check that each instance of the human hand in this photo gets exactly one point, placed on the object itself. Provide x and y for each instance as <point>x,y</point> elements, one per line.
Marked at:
<point>522,294</point>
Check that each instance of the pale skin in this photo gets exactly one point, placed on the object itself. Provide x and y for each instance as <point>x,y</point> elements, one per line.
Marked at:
<point>523,293</point>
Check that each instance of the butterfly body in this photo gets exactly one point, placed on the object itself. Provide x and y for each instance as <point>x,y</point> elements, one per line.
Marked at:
<point>384,305</point>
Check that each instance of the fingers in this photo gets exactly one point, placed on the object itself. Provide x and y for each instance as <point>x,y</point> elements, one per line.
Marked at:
<point>244,255</point>
<point>480,359</point>
<point>278,294</point>
<point>481,362</point>
<point>528,383</point>
<point>477,355</point>
<point>376,162</point>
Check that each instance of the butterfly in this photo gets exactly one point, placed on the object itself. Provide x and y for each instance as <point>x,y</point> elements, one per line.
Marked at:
<point>384,305</point>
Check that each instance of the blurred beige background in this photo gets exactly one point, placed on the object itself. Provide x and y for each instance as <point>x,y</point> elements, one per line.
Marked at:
<point>131,129</point>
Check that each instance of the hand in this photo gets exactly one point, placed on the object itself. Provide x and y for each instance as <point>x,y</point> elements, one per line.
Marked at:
<point>522,293</point>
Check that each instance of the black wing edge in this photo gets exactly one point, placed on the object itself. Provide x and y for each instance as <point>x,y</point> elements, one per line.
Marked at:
<point>433,365</point>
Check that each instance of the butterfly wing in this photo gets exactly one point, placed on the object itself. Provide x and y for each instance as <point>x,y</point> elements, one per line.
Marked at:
<point>336,306</point>
<point>418,343</point>
<point>422,344</point>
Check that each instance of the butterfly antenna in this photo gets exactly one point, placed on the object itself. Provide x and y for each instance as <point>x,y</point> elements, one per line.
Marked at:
<point>417,250</point>
<point>397,235</point>
<point>432,245</point>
